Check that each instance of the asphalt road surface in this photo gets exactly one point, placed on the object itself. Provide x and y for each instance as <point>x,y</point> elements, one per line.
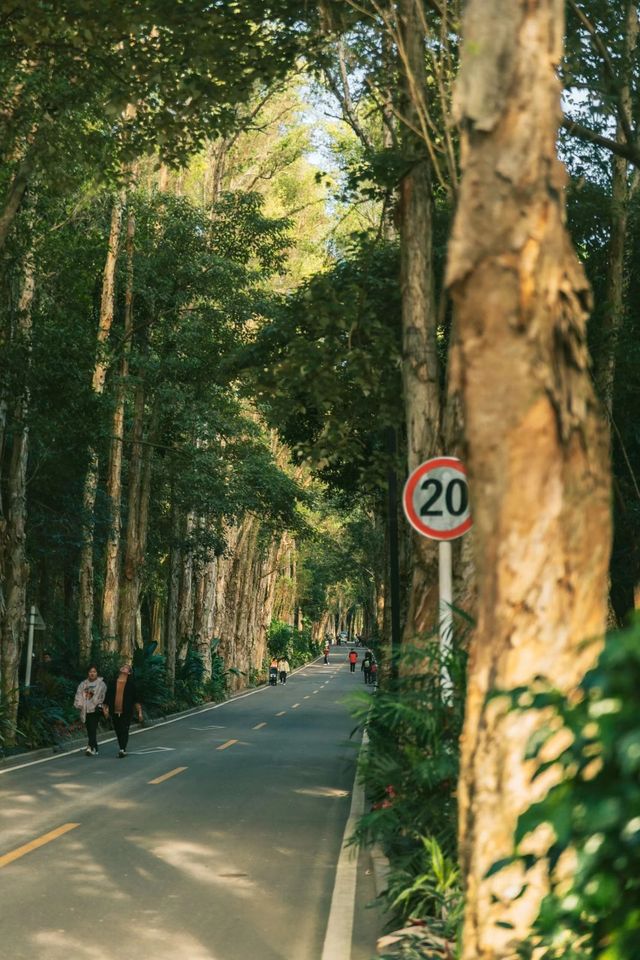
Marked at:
<point>217,838</point>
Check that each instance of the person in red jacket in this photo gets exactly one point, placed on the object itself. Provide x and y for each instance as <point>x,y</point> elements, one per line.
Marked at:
<point>353,656</point>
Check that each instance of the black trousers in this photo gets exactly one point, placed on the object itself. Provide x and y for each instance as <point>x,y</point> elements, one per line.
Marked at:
<point>367,676</point>
<point>353,667</point>
<point>91,723</point>
<point>283,676</point>
<point>121,724</point>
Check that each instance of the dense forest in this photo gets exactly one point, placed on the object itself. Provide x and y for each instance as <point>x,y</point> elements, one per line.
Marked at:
<point>259,262</point>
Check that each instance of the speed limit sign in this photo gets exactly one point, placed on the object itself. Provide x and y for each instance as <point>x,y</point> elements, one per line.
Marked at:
<point>436,499</point>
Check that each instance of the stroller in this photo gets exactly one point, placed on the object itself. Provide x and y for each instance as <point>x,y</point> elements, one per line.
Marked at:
<point>273,676</point>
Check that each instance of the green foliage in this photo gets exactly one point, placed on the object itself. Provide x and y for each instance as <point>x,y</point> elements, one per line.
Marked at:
<point>410,772</point>
<point>44,719</point>
<point>594,811</point>
<point>296,645</point>
<point>189,687</point>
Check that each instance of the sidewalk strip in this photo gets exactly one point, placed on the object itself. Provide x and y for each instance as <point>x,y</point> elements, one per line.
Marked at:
<point>167,776</point>
<point>258,726</point>
<point>38,842</point>
<point>337,941</point>
<point>229,743</point>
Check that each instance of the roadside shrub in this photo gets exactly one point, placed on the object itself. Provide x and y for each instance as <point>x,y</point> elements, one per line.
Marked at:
<point>594,811</point>
<point>296,645</point>
<point>410,772</point>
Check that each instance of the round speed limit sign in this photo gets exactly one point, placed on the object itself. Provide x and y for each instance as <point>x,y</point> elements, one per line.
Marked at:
<point>436,499</point>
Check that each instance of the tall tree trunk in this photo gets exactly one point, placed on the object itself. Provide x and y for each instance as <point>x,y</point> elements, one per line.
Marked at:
<point>537,447</point>
<point>110,596</point>
<point>14,567</point>
<point>186,596</point>
<point>605,359</point>
<point>85,578</point>
<point>420,371</point>
<point>139,494</point>
<point>175,563</point>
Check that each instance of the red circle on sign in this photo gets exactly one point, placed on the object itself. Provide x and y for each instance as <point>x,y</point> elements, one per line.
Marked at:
<point>407,500</point>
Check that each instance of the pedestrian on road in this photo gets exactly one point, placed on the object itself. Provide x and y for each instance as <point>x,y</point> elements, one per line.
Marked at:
<point>283,669</point>
<point>122,702</point>
<point>373,676</point>
<point>326,653</point>
<point>89,699</point>
<point>273,671</point>
<point>366,666</point>
<point>353,656</point>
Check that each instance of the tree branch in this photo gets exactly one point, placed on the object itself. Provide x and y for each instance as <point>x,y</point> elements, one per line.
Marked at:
<point>579,130</point>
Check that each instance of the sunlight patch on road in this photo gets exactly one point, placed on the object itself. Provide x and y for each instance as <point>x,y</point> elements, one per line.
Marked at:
<point>200,863</point>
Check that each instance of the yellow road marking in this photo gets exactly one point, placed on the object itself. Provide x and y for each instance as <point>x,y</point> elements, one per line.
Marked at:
<point>167,776</point>
<point>316,691</point>
<point>224,746</point>
<point>307,697</point>
<point>38,842</point>
<point>281,714</point>
<point>295,705</point>
<point>259,725</point>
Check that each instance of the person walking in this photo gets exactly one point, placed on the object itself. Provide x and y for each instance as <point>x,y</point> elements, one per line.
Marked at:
<point>273,671</point>
<point>122,702</point>
<point>366,666</point>
<point>89,698</point>
<point>352,658</point>
<point>326,653</point>
<point>283,669</point>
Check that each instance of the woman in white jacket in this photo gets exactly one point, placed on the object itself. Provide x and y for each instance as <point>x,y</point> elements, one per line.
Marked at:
<point>89,699</point>
<point>283,669</point>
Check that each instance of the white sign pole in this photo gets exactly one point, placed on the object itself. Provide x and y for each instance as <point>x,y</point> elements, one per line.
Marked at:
<point>446,601</point>
<point>32,626</point>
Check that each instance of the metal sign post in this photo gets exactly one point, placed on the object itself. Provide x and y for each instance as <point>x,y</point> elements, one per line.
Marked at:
<point>436,504</point>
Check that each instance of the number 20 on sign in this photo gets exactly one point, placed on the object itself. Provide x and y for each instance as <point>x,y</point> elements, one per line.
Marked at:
<point>436,499</point>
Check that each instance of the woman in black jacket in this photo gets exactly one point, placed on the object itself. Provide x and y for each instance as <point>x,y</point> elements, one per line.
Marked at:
<point>121,703</point>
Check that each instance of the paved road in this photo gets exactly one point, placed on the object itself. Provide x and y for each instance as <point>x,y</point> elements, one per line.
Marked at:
<point>231,855</point>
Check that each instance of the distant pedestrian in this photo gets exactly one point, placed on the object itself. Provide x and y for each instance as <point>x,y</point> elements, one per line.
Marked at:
<point>273,671</point>
<point>122,702</point>
<point>283,669</point>
<point>373,676</point>
<point>326,653</point>
<point>89,699</point>
<point>366,666</point>
<point>352,658</point>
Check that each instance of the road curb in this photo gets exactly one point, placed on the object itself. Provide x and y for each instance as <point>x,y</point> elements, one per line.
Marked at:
<point>380,866</point>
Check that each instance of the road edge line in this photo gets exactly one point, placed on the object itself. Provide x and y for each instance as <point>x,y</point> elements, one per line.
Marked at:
<point>339,933</point>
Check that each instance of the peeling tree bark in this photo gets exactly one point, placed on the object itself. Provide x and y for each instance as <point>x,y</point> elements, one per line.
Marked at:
<point>537,447</point>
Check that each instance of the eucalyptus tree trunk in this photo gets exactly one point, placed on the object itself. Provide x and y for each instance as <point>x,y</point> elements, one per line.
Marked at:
<point>86,568</point>
<point>420,373</point>
<point>175,562</point>
<point>204,610</point>
<point>537,447</point>
<point>139,493</point>
<point>110,595</point>
<point>613,317</point>
<point>14,568</point>
<point>186,595</point>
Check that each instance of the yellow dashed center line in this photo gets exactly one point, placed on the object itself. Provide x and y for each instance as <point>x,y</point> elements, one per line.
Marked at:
<point>224,746</point>
<point>259,725</point>
<point>167,776</point>
<point>295,705</point>
<point>38,842</point>
<point>281,714</point>
<point>307,697</point>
